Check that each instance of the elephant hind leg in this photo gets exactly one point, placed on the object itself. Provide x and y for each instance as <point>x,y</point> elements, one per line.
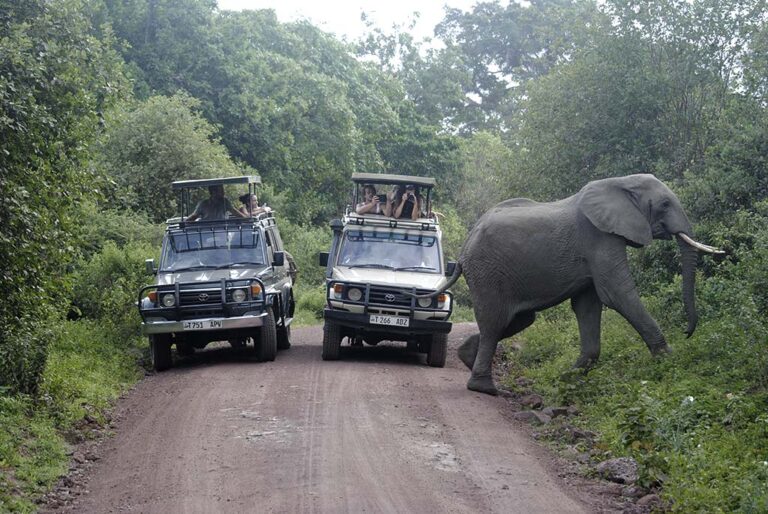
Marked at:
<point>468,350</point>
<point>482,379</point>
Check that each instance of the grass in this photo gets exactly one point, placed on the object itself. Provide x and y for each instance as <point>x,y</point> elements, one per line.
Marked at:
<point>88,367</point>
<point>696,421</point>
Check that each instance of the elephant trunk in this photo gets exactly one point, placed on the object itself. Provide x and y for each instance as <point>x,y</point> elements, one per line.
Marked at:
<point>689,256</point>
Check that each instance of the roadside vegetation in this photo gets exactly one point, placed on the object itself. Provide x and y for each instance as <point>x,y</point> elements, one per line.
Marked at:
<point>103,104</point>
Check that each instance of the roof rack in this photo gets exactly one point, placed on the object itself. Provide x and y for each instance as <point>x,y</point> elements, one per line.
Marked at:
<point>374,220</point>
<point>387,178</point>
<point>205,182</point>
<point>265,218</point>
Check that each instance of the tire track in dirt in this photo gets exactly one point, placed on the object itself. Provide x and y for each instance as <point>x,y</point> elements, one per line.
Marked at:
<point>378,431</point>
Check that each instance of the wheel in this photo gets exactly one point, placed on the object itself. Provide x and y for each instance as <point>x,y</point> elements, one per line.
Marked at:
<point>160,352</point>
<point>331,341</point>
<point>266,342</point>
<point>438,351</point>
<point>185,349</point>
<point>283,337</point>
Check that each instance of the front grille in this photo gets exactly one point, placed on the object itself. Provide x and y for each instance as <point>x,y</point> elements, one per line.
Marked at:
<point>199,297</point>
<point>388,296</point>
<point>204,300</point>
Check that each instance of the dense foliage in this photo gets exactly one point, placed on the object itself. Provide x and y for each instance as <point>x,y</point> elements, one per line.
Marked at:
<point>104,102</point>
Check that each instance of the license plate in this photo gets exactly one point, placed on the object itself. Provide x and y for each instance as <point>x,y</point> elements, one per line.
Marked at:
<point>206,324</point>
<point>393,321</point>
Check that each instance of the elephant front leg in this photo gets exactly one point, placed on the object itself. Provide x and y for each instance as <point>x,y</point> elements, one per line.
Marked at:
<point>588,309</point>
<point>617,290</point>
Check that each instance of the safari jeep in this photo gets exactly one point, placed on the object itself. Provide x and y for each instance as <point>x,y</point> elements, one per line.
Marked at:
<point>375,267</point>
<point>218,280</point>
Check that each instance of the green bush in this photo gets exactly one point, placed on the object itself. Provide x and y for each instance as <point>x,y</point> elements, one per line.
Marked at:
<point>23,347</point>
<point>305,242</point>
<point>118,226</point>
<point>106,287</point>
<point>310,302</point>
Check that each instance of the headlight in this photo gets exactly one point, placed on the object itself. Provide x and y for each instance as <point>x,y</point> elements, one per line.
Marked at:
<point>425,302</point>
<point>354,294</point>
<point>169,300</point>
<point>442,299</point>
<point>238,295</point>
<point>336,291</point>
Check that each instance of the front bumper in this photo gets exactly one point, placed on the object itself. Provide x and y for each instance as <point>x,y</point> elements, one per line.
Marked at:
<point>362,323</point>
<point>202,325</point>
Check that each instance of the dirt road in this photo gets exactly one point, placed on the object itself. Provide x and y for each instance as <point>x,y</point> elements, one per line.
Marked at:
<point>378,431</point>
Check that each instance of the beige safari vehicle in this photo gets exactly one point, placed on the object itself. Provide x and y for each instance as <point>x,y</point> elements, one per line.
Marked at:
<point>375,267</point>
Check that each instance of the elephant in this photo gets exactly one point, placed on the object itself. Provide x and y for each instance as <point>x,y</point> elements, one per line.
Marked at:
<point>523,256</point>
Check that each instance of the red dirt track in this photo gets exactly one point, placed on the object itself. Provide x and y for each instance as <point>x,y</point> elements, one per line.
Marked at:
<point>378,431</point>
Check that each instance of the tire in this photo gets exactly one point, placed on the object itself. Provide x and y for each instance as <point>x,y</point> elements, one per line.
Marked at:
<point>266,343</point>
<point>160,352</point>
<point>331,341</point>
<point>283,337</point>
<point>438,351</point>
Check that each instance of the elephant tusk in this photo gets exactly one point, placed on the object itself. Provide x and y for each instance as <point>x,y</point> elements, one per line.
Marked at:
<point>700,246</point>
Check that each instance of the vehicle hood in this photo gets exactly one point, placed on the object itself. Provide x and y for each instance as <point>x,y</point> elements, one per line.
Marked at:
<point>209,275</point>
<point>387,277</point>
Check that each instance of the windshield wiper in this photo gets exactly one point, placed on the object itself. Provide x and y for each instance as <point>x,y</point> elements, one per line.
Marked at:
<point>415,268</point>
<point>187,268</point>
<point>372,265</point>
<point>240,263</point>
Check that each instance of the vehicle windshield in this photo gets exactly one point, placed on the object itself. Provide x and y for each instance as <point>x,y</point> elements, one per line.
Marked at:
<point>211,248</point>
<point>388,250</point>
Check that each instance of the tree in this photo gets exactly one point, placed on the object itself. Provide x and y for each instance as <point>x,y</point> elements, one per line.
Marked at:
<point>57,74</point>
<point>642,96</point>
<point>150,144</point>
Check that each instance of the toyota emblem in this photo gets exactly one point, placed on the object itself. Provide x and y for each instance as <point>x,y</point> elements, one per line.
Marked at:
<point>202,297</point>
<point>389,297</point>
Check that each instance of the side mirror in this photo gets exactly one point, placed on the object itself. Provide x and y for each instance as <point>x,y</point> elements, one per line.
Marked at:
<point>450,268</point>
<point>323,257</point>
<point>149,264</point>
<point>278,259</point>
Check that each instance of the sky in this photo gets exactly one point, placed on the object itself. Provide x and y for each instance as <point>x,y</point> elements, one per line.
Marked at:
<point>342,17</point>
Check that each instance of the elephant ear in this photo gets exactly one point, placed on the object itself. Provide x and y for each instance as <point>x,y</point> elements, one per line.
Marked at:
<point>612,205</point>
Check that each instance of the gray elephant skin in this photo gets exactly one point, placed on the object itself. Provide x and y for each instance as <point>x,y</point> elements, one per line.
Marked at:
<point>524,256</point>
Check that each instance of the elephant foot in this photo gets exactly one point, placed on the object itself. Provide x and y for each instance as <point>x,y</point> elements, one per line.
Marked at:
<point>585,363</point>
<point>660,350</point>
<point>482,385</point>
<point>468,350</point>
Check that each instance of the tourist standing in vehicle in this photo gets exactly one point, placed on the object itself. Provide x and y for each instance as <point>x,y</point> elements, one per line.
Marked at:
<point>409,203</point>
<point>251,207</point>
<point>371,203</point>
<point>215,207</point>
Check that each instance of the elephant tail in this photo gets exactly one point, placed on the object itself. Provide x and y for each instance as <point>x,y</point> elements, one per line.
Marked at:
<point>446,283</point>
